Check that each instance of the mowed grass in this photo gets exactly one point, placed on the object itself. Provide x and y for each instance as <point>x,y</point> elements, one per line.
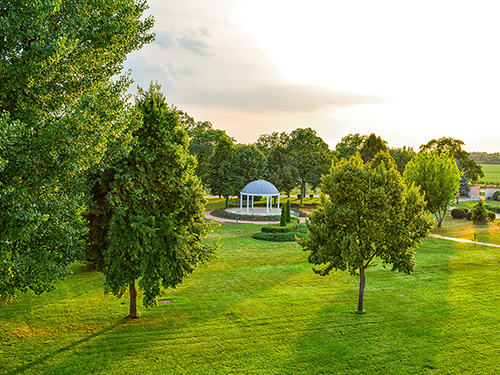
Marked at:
<point>491,174</point>
<point>259,309</point>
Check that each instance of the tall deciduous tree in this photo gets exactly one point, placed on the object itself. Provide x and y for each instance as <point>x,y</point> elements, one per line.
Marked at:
<point>221,177</point>
<point>249,164</point>
<point>349,145</point>
<point>60,111</point>
<point>366,212</point>
<point>148,222</point>
<point>438,177</point>
<point>471,169</point>
<point>372,145</point>
<point>311,157</point>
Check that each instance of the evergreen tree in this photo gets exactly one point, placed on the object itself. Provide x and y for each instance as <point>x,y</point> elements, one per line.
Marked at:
<point>148,221</point>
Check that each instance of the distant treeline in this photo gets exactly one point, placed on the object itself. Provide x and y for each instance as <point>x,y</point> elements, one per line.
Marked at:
<point>485,158</point>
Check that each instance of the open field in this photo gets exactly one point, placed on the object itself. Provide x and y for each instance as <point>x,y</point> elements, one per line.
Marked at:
<point>491,174</point>
<point>258,309</point>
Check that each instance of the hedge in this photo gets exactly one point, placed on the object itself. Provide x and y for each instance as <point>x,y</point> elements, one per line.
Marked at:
<point>301,232</point>
<point>221,212</point>
<point>276,228</point>
<point>458,213</point>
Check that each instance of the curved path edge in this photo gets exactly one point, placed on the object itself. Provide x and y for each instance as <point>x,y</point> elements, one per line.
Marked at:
<point>462,240</point>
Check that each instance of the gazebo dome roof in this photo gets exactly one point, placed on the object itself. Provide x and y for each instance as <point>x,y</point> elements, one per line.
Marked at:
<point>260,187</point>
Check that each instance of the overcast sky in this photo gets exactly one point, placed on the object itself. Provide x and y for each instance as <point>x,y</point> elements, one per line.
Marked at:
<point>407,71</point>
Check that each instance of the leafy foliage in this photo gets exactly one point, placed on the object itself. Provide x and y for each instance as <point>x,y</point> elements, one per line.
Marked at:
<point>372,145</point>
<point>350,145</point>
<point>278,228</point>
<point>148,220</point>
<point>437,176</point>
<point>459,213</point>
<point>479,214</point>
<point>300,232</point>
<point>311,157</point>
<point>366,212</point>
<point>60,111</point>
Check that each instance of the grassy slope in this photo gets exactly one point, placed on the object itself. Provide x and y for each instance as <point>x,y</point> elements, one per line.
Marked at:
<point>491,173</point>
<point>258,309</point>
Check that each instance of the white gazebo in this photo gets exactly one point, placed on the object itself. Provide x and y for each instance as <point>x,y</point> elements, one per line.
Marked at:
<point>260,188</point>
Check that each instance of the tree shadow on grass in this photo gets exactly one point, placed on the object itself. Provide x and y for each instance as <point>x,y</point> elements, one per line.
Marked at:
<point>67,348</point>
<point>401,332</point>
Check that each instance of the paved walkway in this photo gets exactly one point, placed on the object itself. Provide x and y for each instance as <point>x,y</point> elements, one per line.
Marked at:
<point>461,240</point>
<point>208,215</point>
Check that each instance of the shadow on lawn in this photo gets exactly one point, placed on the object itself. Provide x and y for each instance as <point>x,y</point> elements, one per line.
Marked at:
<point>402,330</point>
<point>57,352</point>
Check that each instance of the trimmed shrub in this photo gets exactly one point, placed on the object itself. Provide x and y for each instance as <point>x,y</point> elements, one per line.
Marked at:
<point>496,195</point>
<point>479,214</point>
<point>288,216</point>
<point>491,216</point>
<point>458,213</point>
<point>468,215</point>
<point>275,228</point>
<point>301,232</point>
<point>221,212</point>
<point>283,216</point>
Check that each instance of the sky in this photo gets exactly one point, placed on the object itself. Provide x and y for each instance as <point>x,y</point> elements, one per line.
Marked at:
<point>409,71</point>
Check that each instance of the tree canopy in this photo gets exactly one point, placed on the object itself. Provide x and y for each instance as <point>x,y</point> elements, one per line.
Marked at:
<point>366,212</point>
<point>472,170</point>
<point>60,111</point>
<point>148,221</point>
<point>438,177</point>
<point>311,157</point>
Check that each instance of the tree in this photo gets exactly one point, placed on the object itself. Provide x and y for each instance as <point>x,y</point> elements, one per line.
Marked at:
<point>148,221</point>
<point>437,176</point>
<point>281,171</point>
<point>221,176</point>
<point>349,145</point>
<point>311,157</point>
<point>249,164</point>
<point>372,145</point>
<point>366,212</point>
<point>61,110</point>
<point>479,214</point>
<point>472,170</point>
<point>401,157</point>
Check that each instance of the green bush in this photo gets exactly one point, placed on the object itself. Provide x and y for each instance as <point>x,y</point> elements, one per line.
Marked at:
<point>277,228</point>
<point>491,216</point>
<point>301,232</point>
<point>468,215</point>
<point>479,214</point>
<point>496,195</point>
<point>221,212</point>
<point>458,213</point>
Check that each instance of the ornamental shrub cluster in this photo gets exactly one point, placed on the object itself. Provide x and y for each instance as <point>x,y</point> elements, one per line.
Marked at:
<point>275,228</point>
<point>301,232</point>
<point>496,195</point>
<point>459,213</point>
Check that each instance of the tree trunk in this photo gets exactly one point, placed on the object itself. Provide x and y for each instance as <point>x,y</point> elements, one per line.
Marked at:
<point>302,191</point>
<point>133,301</point>
<point>361,288</point>
<point>227,201</point>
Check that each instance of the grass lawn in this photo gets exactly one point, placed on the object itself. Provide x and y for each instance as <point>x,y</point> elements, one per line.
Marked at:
<point>491,174</point>
<point>259,309</point>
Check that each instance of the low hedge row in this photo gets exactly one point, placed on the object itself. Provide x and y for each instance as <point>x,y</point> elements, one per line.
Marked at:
<point>221,212</point>
<point>301,232</point>
<point>276,228</point>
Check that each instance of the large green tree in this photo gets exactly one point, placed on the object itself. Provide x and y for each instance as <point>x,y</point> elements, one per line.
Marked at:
<point>311,157</point>
<point>221,177</point>
<point>148,221</point>
<point>281,171</point>
<point>249,164</point>
<point>366,212</point>
<point>472,170</point>
<point>437,176</point>
<point>60,111</point>
<point>349,145</point>
<point>372,145</point>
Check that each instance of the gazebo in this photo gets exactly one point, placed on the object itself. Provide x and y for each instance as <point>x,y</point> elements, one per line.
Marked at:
<point>260,188</point>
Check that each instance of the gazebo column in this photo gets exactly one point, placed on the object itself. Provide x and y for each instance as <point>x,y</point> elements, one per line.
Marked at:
<point>248,202</point>
<point>278,204</point>
<point>241,202</point>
